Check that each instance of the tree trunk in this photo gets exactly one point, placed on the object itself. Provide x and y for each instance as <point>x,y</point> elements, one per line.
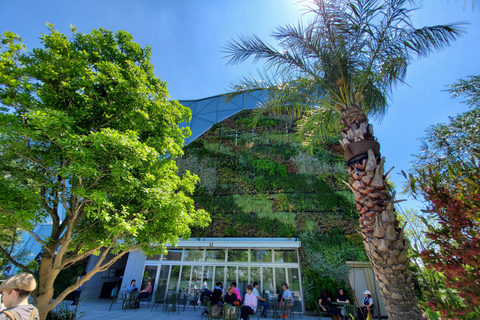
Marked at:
<point>46,278</point>
<point>383,238</point>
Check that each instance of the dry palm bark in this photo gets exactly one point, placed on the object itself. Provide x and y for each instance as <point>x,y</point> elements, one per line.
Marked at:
<point>383,237</point>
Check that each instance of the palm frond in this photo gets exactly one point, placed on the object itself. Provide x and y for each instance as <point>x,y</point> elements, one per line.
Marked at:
<point>348,47</point>
<point>429,39</point>
<point>318,125</point>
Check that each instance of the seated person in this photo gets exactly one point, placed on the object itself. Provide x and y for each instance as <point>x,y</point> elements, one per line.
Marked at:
<point>286,301</point>
<point>249,304</point>
<point>342,298</point>
<point>260,299</point>
<point>145,293</point>
<point>237,291</point>
<point>230,297</point>
<point>325,306</point>
<point>217,295</point>
<point>366,307</point>
<point>205,293</point>
<point>132,287</point>
<point>15,292</point>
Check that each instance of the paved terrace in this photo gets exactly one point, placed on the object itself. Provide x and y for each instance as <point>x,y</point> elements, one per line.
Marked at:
<point>98,310</point>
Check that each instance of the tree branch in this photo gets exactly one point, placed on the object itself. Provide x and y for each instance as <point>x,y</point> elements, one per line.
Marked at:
<point>12,260</point>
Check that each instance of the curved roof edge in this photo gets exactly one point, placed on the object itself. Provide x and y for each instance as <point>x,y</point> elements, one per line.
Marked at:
<point>208,111</point>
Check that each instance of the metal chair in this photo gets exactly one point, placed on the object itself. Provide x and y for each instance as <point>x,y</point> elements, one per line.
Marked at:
<point>129,301</point>
<point>297,306</point>
<point>159,299</point>
<point>193,299</point>
<point>174,302</point>
<point>266,297</point>
<point>286,306</point>
<point>114,300</point>
<point>322,313</point>
<point>350,311</point>
<point>230,312</point>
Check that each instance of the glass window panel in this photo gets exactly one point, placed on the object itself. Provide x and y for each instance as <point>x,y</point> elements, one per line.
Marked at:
<point>216,255</point>
<point>268,283</point>
<point>242,281</point>
<point>193,255</point>
<point>294,281</point>
<point>280,278</point>
<point>185,279</point>
<point>286,256</point>
<point>149,275</point>
<point>238,255</point>
<point>261,256</point>
<point>173,254</point>
<point>174,276</point>
<point>231,276</point>
<point>154,257</point>
<point>197,277</point>
<point>256,276</point>
<point>208,277</point>
<point>220,275</point>
<point>162,280</point>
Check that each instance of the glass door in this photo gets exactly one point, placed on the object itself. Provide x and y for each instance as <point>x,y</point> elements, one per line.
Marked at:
<point>163,279</point>
<point>173,283</point>
<point>267,281</point>
<point>197,277</point>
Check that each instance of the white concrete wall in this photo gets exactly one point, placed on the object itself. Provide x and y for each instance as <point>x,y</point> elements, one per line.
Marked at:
<point>134,269</point>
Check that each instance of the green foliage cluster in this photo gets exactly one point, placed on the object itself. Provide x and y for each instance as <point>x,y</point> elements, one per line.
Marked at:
<point>270,167</point>
<point>264,184</point>
<point>324,264</point>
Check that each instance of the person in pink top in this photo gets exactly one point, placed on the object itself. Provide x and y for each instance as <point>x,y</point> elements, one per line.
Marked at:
<point>250,303</point>
<point>145,293</point>
<point>236,291</point>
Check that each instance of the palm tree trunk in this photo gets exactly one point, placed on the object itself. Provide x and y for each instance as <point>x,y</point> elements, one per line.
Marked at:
<point>383,238</point>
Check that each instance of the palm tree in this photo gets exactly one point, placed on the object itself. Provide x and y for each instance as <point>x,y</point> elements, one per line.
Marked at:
<point>333,73</point>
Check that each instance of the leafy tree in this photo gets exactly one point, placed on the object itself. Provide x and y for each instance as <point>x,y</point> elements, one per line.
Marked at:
<point>332,72</point>
<point>86,129</point>
<point>455,237</point>
<point>469,88</point>
<point>445,144</point>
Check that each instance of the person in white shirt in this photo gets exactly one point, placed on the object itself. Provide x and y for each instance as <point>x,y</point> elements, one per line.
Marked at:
<point>287,301</point>
<point>260,299</point>
<point>249,304</point>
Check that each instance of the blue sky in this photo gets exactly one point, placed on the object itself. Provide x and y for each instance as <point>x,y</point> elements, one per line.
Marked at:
<point>187,38</point>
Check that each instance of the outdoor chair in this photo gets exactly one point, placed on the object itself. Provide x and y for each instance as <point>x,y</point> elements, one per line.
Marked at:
<point>146,299</point>
<point>256,313</point>
<point>350,312</point>
<point>159,299</point>
<point>193,299</point>
<point>230,312</point>
<point>173,301</point>
<point>114,300</point>
<point>283,310</point>
<point>208,304</point>
<point>297,306</point>
<point>266,296</point>
<point>129,301</point>
<point>321,313</point>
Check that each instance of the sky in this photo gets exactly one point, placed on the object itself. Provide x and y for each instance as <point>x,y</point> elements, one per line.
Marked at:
<point>187,39</point>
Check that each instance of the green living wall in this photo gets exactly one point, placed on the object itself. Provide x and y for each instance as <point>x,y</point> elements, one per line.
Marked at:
<point>258,182</point>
